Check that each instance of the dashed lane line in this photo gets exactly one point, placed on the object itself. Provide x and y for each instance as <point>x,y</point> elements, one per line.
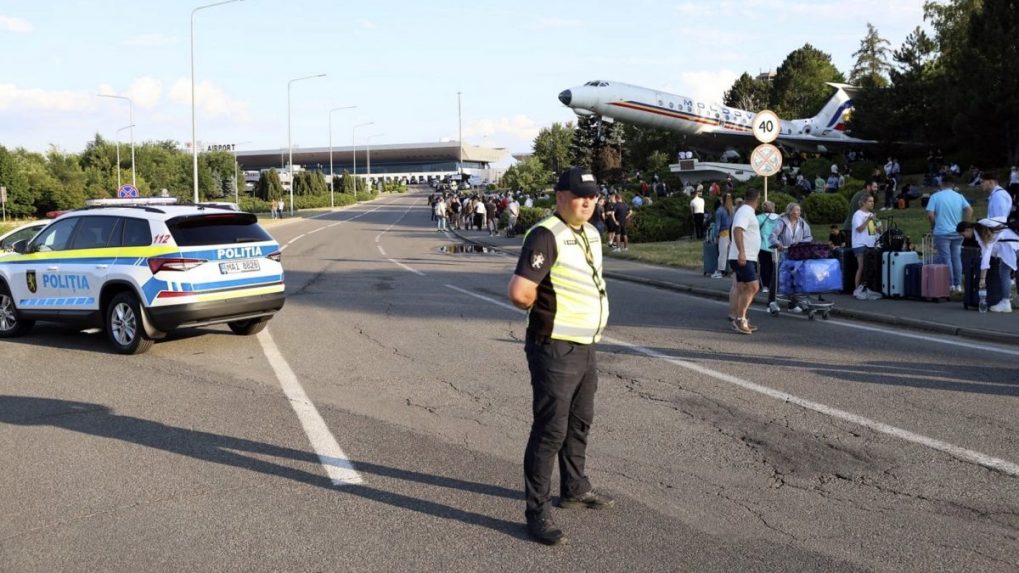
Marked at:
<point>337,465</point>
<point>958,452</point>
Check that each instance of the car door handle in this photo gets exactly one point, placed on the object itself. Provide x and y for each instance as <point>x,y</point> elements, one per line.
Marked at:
<point>102,267</point>
<point>52,268</point>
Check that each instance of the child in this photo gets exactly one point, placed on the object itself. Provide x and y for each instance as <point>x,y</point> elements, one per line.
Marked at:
<point>837,238</point>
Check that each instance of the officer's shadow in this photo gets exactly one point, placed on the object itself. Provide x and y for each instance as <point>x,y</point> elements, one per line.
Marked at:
<point>98,420</point>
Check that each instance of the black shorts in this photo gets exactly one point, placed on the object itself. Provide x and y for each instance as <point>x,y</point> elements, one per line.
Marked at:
<point>621,231</point>
<point>745,274</point>
<point>611,225</point>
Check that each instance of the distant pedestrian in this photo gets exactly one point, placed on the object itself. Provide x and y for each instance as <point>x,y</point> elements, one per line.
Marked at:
<point>622,215</point>
<point>999,202</point>
<point>766,221</point>
<point>946,209</point>
<point>697,210</point>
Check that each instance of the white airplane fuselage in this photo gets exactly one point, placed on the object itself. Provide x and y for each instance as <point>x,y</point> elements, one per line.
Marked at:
<point>642,106</point>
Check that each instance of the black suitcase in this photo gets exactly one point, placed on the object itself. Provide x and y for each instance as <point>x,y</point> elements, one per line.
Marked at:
<point>914,281</point>
<point>971,279</point>
<point>872,264</point>
<point>847,259</point>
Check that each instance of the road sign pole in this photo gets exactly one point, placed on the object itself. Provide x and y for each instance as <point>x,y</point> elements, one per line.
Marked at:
<point>765,189</point>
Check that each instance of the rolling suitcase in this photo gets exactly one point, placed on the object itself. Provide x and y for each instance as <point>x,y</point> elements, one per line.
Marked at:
<point>914,280</point>
<point>871,277</point>
<point>893,272</point>
<point>934,282</point>
<point>710,257</point>
<point>847,260</point>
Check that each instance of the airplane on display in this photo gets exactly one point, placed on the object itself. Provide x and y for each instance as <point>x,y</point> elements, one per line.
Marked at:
<point>616,101</point>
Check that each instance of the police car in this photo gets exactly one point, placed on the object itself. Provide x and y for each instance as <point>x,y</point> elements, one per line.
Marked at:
<point>140,269</point>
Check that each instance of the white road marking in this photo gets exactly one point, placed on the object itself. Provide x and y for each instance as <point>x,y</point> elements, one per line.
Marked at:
<point>405,267</point>
<point>386,230</point>
<point>381,250</point>
<point>330,455</point>
<point>961,453</point>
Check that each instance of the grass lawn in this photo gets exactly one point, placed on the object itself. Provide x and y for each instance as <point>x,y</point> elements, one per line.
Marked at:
<point>687,253</point>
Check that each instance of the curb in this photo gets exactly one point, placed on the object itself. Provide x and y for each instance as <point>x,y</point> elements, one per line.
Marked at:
<point>863,316</point>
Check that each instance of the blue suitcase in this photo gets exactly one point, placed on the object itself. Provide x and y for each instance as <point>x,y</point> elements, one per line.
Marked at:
<point>710,257</point>
<point>914,280</point>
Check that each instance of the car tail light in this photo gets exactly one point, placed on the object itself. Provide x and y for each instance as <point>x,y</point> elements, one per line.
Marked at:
<point>275,256</point>
<point>157,264</point>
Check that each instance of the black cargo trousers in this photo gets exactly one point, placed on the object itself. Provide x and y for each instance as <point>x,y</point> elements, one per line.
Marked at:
<point>564,378</point>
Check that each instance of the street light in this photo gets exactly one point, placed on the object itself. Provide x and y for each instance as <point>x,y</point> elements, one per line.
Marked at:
<point>368,149</point>
<point>332,203</point>
<point>460,139</point>
<point>237,194</point>
<point>353,148</point>
<point>194,137</point>
<point>130,111</point>
<point>290,145</point>
<point>118,152</point>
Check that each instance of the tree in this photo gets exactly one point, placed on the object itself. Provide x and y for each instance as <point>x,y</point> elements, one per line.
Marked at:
<point>871,61</point>
<point>987,100</point>
<point>269,187</point>
<point>798,89</point>
<point>19,197</point>
<point>529,175</point>
<point>582,145</point>
<point>552,147</point>
<point>748,93</point>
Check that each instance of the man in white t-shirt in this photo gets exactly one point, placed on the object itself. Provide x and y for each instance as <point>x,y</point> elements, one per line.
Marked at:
<point>743,249</point>
<point>697,209</point>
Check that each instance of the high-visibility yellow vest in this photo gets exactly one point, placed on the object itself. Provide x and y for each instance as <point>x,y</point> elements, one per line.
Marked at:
<point>581,303</point>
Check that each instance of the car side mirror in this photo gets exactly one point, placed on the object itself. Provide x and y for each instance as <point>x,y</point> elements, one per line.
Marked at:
<point>21,247</point>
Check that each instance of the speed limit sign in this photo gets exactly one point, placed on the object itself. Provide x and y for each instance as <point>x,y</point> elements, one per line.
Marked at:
<point>766,126</point>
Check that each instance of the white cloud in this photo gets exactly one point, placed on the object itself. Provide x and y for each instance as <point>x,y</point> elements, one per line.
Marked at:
<point>145,92</point>
<point>367,25</point>
<point>150,40</point>
<point>14,98</point>
<point>518,127</point>
<point>212,100</point>
<point>12,24</point>
<point>706,86</point>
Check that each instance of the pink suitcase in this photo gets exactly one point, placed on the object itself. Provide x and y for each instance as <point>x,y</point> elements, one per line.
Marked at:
<point>934,279</point>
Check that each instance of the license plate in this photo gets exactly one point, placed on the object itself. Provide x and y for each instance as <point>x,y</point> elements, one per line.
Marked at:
<point>232,267</point>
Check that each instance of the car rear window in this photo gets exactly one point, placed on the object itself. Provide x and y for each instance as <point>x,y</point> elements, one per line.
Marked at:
<point>216,229</point>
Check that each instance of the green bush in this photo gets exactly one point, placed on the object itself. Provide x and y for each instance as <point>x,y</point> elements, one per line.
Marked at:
<point>253,205</point>
<point>531,215</point>
<point>816,166</point>
<point>667,219</point>
<point>825,208</point>
<point>862,170</point>
<point>781,200</point>
<point>850,188</point>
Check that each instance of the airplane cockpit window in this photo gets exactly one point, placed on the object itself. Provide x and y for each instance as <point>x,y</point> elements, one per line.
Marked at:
<point>597,84</point>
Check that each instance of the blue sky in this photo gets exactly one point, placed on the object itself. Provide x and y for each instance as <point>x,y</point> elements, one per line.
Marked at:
<point>402,63</point>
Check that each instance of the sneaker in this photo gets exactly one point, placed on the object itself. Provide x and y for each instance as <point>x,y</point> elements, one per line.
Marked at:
<point>858,291</point>
<point>590,500</point>
<point>871,295</point>
<point>752,327</point>
<point>716,275</point>
<point>544,530</point>
<point>740,326</point>
<point>765,290</point>
<point>1004,305</point>
<point>795,309</point>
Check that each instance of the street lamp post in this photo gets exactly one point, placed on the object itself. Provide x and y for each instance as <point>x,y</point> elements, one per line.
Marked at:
<point>290,144</point>
<point>130,111</point>
<point>237,193</point>
<point>353,151</point>
<point>118,152</point>
<point>368,149</point>
<point>194,137</point>
<point>460,139</point>
<point>332,202</point>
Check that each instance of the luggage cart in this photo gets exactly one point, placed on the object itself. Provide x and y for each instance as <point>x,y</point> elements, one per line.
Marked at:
<point>810,305</point>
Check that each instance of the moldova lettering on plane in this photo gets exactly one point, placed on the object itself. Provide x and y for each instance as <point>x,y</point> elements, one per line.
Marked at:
<point>239,253</point>
<point>73,283</point>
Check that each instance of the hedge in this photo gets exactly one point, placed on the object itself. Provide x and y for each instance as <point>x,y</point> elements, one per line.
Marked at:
<point>825,208</point>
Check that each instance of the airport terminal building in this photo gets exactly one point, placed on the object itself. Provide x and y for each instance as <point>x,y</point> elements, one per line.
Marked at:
<point>413,161</point>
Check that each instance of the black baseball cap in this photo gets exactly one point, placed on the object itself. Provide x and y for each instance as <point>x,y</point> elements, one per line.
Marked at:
<point>579,181</point>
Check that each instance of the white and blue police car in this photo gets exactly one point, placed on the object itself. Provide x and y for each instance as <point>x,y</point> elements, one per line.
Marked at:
<point>142,268</point>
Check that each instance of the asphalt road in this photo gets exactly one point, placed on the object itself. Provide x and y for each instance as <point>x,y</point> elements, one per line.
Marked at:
<point>808,446</point>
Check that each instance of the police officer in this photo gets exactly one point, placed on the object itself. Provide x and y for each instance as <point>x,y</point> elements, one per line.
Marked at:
<point>558,280</point>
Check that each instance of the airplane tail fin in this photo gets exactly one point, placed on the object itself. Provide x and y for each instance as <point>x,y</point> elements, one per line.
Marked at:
<point>835,113</point>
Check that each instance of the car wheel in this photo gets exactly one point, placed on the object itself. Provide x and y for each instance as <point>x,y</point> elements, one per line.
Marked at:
<point>124,325</point>
<point>11,323</point>
<point>248,327</point>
